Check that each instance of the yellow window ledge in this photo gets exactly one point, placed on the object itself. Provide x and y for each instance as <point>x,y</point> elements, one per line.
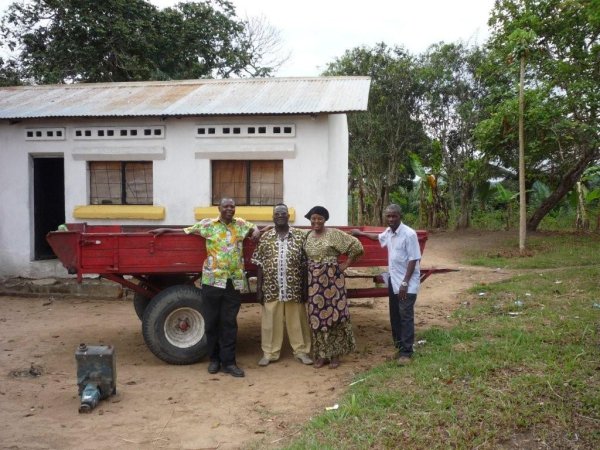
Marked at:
<point>147,212</point>
<point>252,213</point>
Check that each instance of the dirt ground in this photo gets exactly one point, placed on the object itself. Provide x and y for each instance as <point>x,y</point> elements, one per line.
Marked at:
<point>163,406</point>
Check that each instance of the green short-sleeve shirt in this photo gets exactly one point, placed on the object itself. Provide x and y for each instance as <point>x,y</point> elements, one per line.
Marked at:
<point>224,256</point>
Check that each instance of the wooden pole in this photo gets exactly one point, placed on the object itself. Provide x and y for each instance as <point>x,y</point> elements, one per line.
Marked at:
<point>522,193</point>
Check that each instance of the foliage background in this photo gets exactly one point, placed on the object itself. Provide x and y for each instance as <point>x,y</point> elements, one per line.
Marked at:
<point>440,137</point>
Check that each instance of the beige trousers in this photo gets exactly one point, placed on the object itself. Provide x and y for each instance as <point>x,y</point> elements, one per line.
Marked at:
<point>277,316</point>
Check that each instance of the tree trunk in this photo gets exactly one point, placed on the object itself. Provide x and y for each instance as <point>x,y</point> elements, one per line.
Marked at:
<point>361,202</point>
<point>581,222</point>
<point>566,184</point>
<point>386,201</point>
<point>423,213</point>
<point>464,218</point>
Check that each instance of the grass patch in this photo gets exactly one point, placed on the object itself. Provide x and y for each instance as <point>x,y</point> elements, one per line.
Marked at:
<point>543,251</point>
<point>520,369</point>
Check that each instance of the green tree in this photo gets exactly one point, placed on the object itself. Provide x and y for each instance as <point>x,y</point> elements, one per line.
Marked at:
<point>9,74</point>
<point>562,81</point>
<point>203,39</point>
<point>450,111</point>
<point>382,138</point>
<point>62,41</point>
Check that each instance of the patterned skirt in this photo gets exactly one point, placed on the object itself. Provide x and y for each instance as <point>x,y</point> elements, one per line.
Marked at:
<point>337,341</point>
<point>328,311</point>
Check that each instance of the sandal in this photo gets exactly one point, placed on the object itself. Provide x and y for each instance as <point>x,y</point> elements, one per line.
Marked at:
<point>335,363</point>
<point>320,363</point>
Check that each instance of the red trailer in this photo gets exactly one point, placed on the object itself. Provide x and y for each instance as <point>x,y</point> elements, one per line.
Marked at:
<point>162,271</point>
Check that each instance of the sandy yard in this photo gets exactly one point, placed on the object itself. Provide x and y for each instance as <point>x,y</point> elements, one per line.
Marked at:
<point>162,406</point>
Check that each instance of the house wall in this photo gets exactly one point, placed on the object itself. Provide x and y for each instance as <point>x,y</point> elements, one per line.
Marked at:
<point>315,162</point>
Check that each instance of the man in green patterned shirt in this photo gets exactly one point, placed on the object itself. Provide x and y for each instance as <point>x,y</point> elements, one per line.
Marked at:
<point>280,288</point>
<point>222,281</point>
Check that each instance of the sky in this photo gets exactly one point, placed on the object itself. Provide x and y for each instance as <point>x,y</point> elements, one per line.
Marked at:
<point>315,32</point>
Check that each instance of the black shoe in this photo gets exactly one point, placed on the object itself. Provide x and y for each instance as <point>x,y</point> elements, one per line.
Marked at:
<point>234,370</point>
<point>214,367</point>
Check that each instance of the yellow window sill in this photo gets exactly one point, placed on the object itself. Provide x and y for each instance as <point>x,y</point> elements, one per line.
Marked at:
<point>252,213</point>
<point>147,212</point>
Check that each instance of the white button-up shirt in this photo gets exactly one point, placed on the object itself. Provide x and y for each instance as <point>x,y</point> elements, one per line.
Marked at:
<point>402,246</point>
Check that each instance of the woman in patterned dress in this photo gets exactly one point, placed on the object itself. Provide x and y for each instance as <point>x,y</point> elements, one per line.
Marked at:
<point>328,312</point>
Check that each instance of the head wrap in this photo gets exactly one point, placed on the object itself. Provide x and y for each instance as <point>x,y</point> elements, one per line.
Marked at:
<point>318,210</point>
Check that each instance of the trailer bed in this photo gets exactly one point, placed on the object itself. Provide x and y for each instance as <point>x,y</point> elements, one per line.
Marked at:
<point>133,250</point>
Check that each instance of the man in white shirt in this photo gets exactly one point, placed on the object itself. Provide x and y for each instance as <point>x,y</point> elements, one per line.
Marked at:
<point>404,255</point>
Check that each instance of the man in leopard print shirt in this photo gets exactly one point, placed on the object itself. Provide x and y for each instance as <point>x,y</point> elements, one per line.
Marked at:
<point>281,286</point>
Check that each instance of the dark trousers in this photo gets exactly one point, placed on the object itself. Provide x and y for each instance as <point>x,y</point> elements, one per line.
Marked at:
<point>402,320</point>
<point>222,307</point>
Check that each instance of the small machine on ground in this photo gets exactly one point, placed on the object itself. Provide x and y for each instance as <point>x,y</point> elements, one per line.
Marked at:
<point>96,374</point>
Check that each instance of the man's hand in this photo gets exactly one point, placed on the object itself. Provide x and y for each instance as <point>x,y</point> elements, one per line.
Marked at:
<point>403,293</point>
<point>260,296</point>
<point>358,233</point>
<point>159,231</point>
<point>266,228</point>
<point>255,236</point>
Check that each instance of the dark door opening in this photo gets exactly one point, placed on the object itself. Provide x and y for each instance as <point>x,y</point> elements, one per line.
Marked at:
<point>48,202</point>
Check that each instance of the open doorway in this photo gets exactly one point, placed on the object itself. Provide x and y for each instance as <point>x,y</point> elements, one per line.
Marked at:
<point>48,202</point>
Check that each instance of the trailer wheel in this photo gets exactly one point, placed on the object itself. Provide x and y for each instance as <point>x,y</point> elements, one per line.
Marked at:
<point>140,302</point>
<point>173,325</point>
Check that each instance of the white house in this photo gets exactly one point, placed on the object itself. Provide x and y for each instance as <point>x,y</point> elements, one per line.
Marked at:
<point>164,153</point>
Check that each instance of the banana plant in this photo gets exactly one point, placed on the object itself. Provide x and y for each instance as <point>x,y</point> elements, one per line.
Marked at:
<point>537,194</point>
<point>588,190</point>
<point>505,198</point>
<point>433,211</point>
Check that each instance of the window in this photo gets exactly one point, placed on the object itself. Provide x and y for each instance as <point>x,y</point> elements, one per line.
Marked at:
<point>248,183</point>
<point>120,183</point>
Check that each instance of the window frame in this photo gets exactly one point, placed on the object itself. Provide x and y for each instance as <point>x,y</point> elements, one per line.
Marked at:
<point>248,181</point>
<point>99,201</point>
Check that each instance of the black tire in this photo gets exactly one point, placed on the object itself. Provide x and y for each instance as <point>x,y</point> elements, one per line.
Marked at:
<point>173,325</point>
<point>141,302</point>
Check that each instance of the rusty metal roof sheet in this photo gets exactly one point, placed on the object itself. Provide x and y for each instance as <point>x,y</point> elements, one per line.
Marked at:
<point>187,98</point>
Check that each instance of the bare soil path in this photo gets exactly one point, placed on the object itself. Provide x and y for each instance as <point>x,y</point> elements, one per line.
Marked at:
<point>163,406</point>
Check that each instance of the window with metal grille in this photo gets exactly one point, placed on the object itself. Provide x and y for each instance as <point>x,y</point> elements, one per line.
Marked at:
<point>120,182</point>
<point>248,183</point>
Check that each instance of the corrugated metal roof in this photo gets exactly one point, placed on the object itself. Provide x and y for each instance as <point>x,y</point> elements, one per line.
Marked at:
<point>187,98</point>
